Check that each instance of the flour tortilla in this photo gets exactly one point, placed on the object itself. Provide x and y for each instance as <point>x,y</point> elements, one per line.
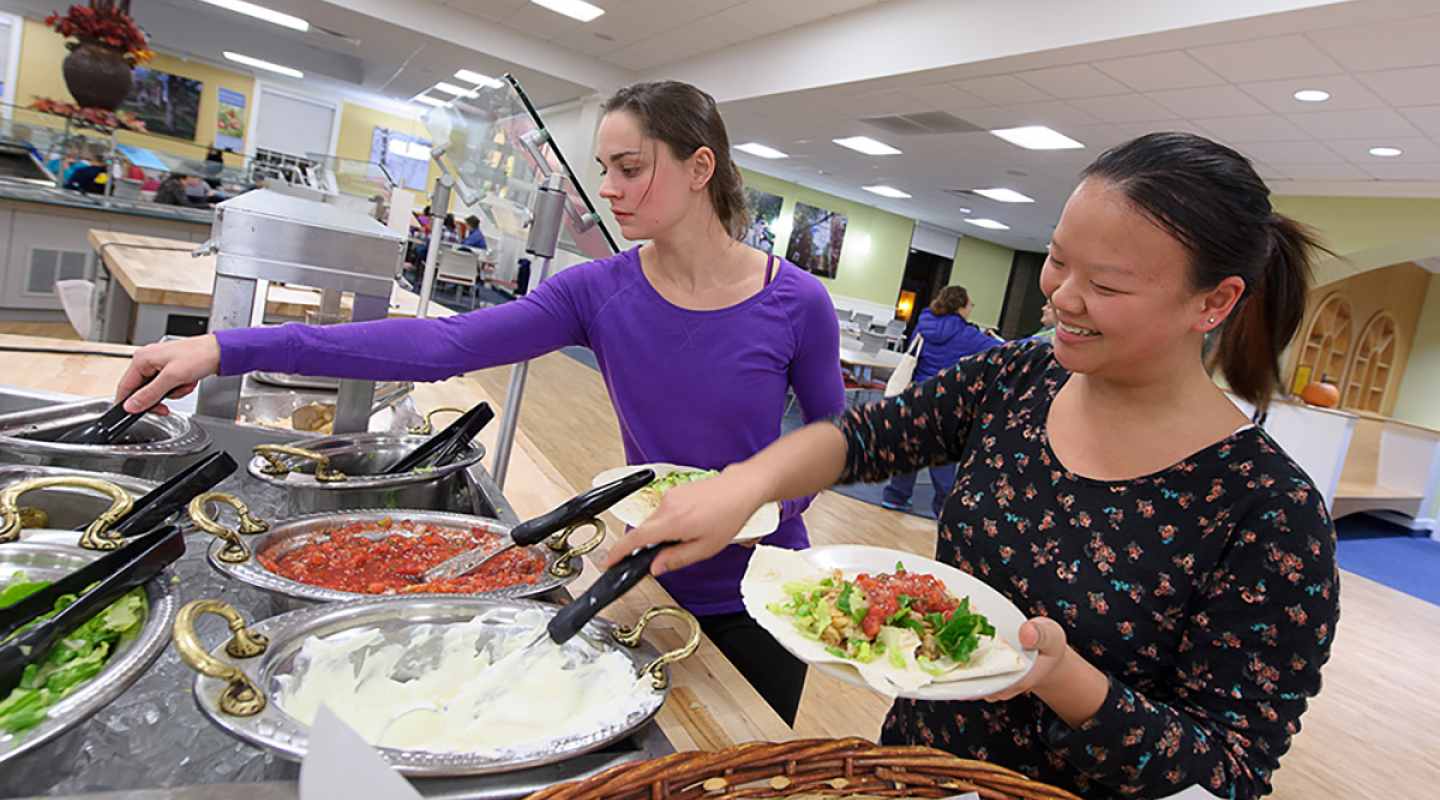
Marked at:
<point>638,506</point>
<point>773,567</point>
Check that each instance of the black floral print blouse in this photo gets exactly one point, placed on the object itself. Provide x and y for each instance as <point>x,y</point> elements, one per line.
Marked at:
<point>1208,591</point>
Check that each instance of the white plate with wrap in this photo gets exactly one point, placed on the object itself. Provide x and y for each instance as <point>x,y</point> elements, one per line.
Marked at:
<point>996,664</point>
<point>638,507</point>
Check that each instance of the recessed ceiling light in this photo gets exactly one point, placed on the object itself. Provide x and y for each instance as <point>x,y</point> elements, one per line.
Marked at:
<point>1385,152</point>
<point>764,151</point>
<point>887,191</point>
<point>450,88</point>
<point>251,61</point>
<point>260,12</point>
<point>476,78</point>
<point>866,145</point>
<point>1004,195</point>
<point>989,223</point>
<point>964,210</point>
<point>1037,137</point>
<point>427,100</point>
<point>574,9</point>
<point>1312,96</point>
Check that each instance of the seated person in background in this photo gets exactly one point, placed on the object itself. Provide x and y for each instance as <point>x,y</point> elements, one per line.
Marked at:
<point>171,191</point>
<point>1047,323</point>
<point>198,194</point>
<point>475,239</point>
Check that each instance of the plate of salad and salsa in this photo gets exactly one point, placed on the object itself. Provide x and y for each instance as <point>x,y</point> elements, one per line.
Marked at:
<point>638,507</point>
<point>893,622</point>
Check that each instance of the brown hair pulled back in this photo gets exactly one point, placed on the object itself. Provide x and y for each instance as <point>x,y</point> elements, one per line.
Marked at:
<point>1209,198</point>
<point>686,119</point>
<point>949,301</point>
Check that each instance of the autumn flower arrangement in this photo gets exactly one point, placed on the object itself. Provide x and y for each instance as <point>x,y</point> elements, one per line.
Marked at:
<point>107,22</point>
<point>90,117</point>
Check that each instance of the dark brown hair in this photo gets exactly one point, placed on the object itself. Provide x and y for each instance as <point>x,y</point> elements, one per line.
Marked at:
<point>950,300</point>
<point>686,119</point>
<point>1211,200</point>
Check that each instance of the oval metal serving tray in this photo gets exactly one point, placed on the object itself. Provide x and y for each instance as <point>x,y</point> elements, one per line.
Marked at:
<point>289,534</point>
<point>40,559</point>
<point>277,732</point>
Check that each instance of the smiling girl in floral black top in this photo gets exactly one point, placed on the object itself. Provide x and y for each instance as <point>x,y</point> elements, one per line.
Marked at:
<point>1178,568</point>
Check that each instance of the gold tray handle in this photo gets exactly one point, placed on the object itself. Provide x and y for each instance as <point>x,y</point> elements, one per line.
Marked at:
<point>274,466</point>
<point>241,697</point>
<point>235,551</point>
<point>97,535</point>
<point>630,637</point>
<point>560,543</point>
<point>427,427</point>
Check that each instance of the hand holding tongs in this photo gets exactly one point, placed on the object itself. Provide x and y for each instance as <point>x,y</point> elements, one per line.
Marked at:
<point>533,531</point>
<point>445,445</point>
<point>114,574</point>
<point>106,428</point>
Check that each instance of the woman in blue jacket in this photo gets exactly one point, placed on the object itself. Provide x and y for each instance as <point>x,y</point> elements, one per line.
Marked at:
<point>948,337</point>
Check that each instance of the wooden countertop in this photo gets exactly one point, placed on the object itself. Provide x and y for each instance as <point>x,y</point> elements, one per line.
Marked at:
<point>158,271</point>
<point>710,706</point>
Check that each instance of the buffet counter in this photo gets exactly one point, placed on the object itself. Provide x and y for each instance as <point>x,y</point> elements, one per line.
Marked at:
<point>131,745</point>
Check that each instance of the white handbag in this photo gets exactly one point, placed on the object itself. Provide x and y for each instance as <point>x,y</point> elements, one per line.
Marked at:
<point>905,370</point>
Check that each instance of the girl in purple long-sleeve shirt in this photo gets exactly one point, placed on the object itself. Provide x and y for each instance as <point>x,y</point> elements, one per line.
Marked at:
<point>697,335</point>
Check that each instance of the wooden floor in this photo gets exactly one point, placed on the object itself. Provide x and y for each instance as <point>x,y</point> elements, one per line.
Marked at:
<point>1372,733</point>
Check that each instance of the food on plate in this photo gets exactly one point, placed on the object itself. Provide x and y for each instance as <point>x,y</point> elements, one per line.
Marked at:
<point>638,507</point>
<point>655,490</point>
<point>899,630</point>
<point>387,557</point>
<point>467,699</point>
<point>73,661</point>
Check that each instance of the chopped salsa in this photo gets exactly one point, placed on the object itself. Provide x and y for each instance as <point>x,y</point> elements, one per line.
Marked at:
<point>366,558</point>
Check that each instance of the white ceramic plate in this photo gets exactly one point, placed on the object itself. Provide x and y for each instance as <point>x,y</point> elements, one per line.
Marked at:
<point>638,507</point>
<point>756,592</point>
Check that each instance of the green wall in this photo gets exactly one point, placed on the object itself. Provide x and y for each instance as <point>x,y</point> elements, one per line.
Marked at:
<point>1416,400</point>
<point>984,270</point>
<point>874,276</point>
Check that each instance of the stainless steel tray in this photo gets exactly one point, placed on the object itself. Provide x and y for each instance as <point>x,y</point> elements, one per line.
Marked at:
<point>276,731</point>
<point>47,560</point>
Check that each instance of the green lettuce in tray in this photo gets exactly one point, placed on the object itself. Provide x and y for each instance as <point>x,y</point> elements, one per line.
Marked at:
<point>74,660</point>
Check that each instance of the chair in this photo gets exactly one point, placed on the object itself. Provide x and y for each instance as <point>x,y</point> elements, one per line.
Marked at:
<point>895,333</point>
<point>862,321</point>
<point>871,342</point>
<point>458,268</point>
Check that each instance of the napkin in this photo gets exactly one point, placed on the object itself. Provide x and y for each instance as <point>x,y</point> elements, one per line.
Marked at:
<point>340,764</point>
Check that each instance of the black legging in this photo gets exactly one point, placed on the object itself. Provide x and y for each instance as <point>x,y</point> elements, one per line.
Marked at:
<point>778,676</point>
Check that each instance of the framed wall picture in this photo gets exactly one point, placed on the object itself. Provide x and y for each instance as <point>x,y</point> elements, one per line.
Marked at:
<point>764,211</point>
<point>816,240</point>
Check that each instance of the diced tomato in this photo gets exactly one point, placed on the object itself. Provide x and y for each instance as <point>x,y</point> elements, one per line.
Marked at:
<point>927,596</point>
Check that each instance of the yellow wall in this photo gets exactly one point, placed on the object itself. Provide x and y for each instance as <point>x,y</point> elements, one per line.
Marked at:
<point>984,270</point>
<point>42,50</point>
<point>1367,232</point>
<point>357,128</point>
<point>873,276</point>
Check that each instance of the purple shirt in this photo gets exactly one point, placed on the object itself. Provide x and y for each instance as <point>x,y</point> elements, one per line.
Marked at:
<point>701,388</point>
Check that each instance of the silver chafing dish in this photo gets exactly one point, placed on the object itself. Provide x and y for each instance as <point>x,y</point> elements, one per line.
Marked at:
<point>66,506</point>
<point>230,555</point>
<point>238,679</point>
<point>335,473</point>
<point>50,555</point>
<point>153,450</point>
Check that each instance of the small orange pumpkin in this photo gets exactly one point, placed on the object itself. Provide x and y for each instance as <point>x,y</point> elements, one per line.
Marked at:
<point>1320,393</point>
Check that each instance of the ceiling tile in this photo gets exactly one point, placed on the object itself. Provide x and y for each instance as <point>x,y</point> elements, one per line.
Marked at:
<point>1354,124</point>
<point>1208,101</point>
<point>1424,171</point>
<point>1054,113</point>
<point>1002,90</point>
<point>637,58</point>
<point>992,117</point>
<point>754,17</point>
<point>1346,94</point>
<point>1286,153</point>
<point>1275,58</point>
<point>1149,73</point>
<point>795,12</point>
<point>844,6</point>
<point>1426,118</point>
<point>1268,173</point>
<point>1243,130</point>
<point>493,10</point>
<point>539,22</point>
<point>1076,80</point>
<point>1122,108</point>
<point>1393,44</point>
<point>1341,171</point>
<point>891,102</point>
<point>944,97</point>
<point>1416,149</point>
<point>1405,87</point>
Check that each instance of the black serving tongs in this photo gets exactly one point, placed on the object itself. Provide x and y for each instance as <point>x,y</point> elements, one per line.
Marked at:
<point>113,574</point>
<point>577,509</point>
<point>608,588</point>
<point>107,428</point>
<point>441,448</point>
<point>155,506</point>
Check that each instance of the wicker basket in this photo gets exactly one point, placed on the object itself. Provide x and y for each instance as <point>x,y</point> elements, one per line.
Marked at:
<point>838,767</point>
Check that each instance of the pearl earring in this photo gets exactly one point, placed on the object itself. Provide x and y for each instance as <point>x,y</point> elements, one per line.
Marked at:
<point>1212,320</point>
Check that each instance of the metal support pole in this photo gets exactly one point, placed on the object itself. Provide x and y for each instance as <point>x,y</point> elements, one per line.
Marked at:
<point>544,234</point>
<point>439,206</point>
